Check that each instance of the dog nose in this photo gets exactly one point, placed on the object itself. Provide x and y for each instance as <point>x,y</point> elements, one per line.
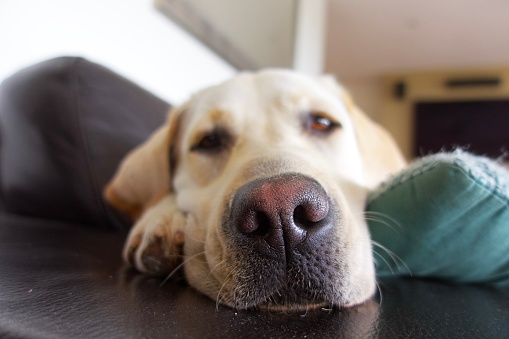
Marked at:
<point>281,210</point>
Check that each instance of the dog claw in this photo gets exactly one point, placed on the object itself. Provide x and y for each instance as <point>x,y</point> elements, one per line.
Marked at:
<point>152,264</point>
<point>155,245</point>
<point>154,255</point>
<point>129,257</point>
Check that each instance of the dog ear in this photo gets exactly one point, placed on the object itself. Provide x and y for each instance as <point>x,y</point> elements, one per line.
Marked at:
<point>143,176</point>
<point>380,153</point>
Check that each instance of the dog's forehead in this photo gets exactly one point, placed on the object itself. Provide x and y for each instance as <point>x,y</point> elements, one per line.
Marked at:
<point>262,90</point>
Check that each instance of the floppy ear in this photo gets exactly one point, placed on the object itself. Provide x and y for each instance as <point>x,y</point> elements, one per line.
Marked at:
<point>380,154</point>
<point>143,176</point>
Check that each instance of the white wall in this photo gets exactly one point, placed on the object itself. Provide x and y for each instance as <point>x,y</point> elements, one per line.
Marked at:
<point>128,36</point>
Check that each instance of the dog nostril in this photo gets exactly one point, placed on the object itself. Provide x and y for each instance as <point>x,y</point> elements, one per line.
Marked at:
<point>263,223</point>
<point>256,223</point>
<point>309,215</point>
<point>300,217</point>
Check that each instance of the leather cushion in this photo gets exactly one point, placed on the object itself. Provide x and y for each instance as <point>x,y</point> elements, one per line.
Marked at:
<point>65,124</point>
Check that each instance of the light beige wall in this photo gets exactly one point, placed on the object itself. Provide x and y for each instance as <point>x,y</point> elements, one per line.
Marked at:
<point>367,93</point>
<point>397,115</point>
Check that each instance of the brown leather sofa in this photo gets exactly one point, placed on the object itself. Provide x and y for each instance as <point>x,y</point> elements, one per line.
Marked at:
<point>64,126</point>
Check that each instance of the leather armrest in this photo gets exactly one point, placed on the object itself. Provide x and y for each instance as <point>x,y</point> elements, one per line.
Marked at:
<point>65,125</point>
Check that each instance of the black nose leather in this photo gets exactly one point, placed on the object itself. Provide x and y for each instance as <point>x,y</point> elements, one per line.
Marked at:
<point>281,210</point>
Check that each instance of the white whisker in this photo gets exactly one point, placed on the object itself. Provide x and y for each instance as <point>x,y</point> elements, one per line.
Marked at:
<point>383,259</point>
<point>379,292</point>
<point>212,270</point>
<point>218,298</point>
<point>393,256</point>
<point>179,266</point>
<point>384,219</point>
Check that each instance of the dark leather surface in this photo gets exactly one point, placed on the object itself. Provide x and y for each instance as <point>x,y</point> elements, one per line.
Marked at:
<point>67,281</point>
<point>64,126</point>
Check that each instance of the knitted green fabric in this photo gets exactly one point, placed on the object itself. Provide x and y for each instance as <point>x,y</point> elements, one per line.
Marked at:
<point>446,216</point>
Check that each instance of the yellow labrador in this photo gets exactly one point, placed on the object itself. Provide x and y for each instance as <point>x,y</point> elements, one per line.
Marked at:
<point>257,187</point>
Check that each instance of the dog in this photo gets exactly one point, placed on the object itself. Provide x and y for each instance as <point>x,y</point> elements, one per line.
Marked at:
<point>256,187</point>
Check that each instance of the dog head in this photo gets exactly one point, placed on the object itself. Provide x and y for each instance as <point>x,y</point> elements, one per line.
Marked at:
<point>270,170</point>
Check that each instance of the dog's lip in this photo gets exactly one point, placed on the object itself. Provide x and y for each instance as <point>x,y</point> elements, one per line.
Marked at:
<point>294,306</point>
<point>285,298</point>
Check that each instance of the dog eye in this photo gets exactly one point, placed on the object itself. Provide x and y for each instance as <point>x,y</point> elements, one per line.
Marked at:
<point>213,142</point>
<point>320,123</point>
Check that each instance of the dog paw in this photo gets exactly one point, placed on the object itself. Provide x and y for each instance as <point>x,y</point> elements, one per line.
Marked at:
<point>155,243</point>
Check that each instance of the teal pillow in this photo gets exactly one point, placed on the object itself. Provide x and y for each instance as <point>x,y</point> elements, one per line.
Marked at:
<point>446,216</point>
